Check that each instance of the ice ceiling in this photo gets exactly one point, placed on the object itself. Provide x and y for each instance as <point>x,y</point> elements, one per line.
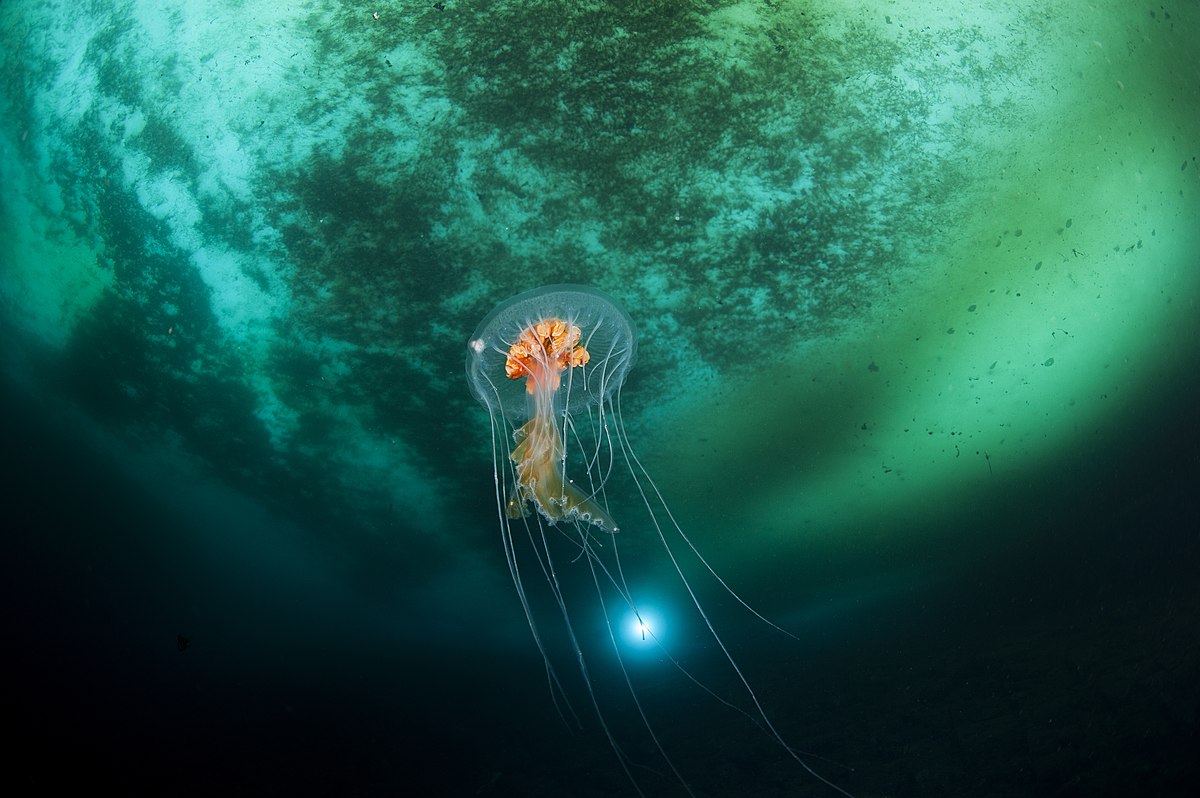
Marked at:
<point>875,259</point>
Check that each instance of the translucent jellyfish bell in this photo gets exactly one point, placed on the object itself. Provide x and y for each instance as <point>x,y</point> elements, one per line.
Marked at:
<point>606,333</point>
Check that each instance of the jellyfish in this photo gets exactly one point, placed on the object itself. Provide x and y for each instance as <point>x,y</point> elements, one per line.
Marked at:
<point>548,365</point>
<point>527,363</point>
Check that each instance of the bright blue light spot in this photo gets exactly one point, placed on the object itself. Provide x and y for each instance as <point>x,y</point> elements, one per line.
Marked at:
<point>644,628</point>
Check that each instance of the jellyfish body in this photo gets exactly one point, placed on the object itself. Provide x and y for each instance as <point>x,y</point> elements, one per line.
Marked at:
<point>541,354</point>
<point>537,342</point>
<point>549,365</point>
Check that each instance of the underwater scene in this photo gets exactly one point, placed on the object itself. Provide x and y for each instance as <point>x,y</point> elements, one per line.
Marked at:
<point>648,398</point>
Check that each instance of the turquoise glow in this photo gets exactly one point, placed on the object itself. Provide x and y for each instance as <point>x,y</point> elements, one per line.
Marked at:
<point>916,286</point>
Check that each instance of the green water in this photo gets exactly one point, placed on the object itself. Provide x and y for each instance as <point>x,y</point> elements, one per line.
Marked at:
<point>915,287</point>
